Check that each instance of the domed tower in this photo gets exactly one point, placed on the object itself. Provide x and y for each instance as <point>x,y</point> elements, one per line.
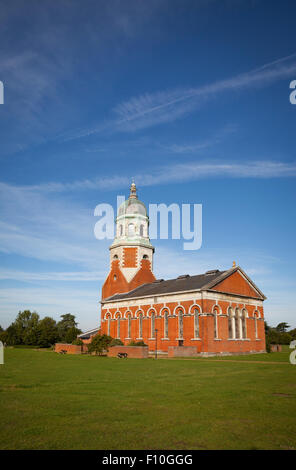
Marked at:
<point>131,253</point>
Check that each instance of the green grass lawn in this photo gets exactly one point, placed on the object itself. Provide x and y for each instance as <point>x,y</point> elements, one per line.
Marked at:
<point>52,401</point>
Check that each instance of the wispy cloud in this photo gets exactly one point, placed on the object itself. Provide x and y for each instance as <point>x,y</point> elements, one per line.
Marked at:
<point>160,107</point>
<point>187,171</point>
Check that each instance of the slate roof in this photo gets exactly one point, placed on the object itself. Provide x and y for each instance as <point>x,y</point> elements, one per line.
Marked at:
<point>182,284</point>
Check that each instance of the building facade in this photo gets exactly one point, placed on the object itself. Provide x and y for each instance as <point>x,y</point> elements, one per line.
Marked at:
<point>217,312</point>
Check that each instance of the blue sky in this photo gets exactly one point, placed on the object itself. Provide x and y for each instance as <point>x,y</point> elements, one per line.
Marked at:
<point>190,98</point>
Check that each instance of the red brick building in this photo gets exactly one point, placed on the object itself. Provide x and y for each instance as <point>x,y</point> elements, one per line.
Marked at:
<point>218,312</point>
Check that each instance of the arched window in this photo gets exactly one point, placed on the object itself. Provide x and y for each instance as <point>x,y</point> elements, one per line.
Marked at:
<point>196,323</point>
<point>115,257</point>
<point>256,326</point>
<point>118,327</point>
<point>244,324</point>
<point>237,324</point>
<point>152,325</point>
<point>230,324</point>
<point>120,230</point>
<point>131,230</point>
<point>108,325</point>
<point>216,311</point>
<point>129,322</point>
<point>141,230</point>
<point>140,325</point>
<point>145,256</point>
<point>166,324</point>
<point>180,323</point>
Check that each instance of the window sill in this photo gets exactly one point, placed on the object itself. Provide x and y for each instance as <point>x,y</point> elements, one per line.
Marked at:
<point>195,339</point>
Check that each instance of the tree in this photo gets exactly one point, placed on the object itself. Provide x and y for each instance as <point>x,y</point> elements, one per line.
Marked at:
<point>48,333</point>
<point>99,344</point>
<point>282,327</point>
<point>26,327</point>
<point>67,328</point>
<point>72,334</point>
<point>293,333</point>
<point>10,336</point>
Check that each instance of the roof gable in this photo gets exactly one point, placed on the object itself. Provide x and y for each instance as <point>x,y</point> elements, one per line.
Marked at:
<point>236,281</point>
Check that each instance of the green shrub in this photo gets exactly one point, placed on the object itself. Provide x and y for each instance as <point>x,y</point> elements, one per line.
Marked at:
<point>78,342</point>
<point>136,343</point>
<point>116,342</point>
<point>99,344</point>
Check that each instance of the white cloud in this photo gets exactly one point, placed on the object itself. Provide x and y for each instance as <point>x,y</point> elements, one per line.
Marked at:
<point>150,109</point>
<point>187,171</point>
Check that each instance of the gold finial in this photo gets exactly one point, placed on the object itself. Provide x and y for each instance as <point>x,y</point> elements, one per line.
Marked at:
<point>133,190</point>
<point>233,264</point>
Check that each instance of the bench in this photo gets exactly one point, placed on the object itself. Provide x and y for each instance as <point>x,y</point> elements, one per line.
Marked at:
<point>121,355</point>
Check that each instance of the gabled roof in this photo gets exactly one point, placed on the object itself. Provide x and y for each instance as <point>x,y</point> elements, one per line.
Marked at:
<point>87,334</point>
<point>199,282</point>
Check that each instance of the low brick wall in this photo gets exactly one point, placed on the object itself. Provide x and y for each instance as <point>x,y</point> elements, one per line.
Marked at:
<point>132,351</point>
<point>70,348</point>
<point>182,351</point>
<point>276,347</point>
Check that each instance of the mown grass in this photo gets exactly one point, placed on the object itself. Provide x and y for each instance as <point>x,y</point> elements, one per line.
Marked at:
<point>51,401</point>
<point>282,356</point>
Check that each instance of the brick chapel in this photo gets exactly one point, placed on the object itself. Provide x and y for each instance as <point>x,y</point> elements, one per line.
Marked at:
<point>217,312</point>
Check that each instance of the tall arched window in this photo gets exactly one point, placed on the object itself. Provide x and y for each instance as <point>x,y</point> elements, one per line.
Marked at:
<point>216,311</point>
<point>141,230</point>
<point>230,324</point>
<point>108,325</point>
<point>196,323</point>
<point>237,324</point>
<point>244,324</point>
<point>140,325</point>
<point>120,230</point>
<point>256,326</point>
<point>118,326</point>
<point>166,324</point>
<point>180,323</point>
<point>152,325</point>
<point>129,322</point>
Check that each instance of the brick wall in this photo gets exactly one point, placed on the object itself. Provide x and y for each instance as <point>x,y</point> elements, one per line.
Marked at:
<point>182,351</point>
<point>70,348</point>
<point>132,351</point>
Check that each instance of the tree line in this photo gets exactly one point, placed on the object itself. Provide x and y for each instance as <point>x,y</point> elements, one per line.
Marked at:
<point>28,329</point>
<point>279,334</point>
